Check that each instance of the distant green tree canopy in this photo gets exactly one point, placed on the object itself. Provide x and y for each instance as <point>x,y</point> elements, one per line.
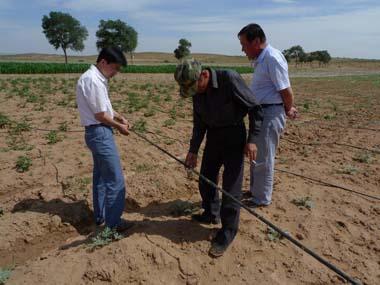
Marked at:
<point>64,31</point>
<point>297,54</point>
<point>183,49</point>
<point>116,33</point>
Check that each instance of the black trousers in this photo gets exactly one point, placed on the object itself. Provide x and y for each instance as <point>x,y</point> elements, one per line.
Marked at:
<point>224,147</point>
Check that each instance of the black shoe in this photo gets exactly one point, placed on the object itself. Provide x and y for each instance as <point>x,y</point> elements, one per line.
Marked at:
<point>246,195</point>
<point>217,249</point>
<point>205,219</point>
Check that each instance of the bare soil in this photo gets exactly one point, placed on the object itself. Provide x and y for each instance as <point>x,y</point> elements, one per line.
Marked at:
<point>46,225</point>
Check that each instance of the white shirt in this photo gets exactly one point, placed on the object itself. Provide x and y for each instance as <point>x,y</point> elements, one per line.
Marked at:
<point>270,76</point>
<point>92,96</point>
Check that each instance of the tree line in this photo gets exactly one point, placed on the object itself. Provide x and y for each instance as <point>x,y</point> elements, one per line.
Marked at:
<point>299,56</point>
<point>64,31</point>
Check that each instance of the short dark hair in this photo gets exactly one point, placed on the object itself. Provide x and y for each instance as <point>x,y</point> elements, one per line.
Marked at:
<point>253,31</point>
<point>112,55</point>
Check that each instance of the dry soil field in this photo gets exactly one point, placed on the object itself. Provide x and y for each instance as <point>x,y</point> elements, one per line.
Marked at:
<point>46,227</point>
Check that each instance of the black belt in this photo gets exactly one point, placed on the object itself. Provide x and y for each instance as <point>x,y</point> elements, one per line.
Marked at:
<point>269,105</point>
<point>95,125</point>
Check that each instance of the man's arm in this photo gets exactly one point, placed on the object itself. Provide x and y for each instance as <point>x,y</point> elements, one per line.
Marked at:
<point>106,119</point>
<point>199,130</point>
<point>245,97</point>
<point>120,118</point>
<point>288,99</point>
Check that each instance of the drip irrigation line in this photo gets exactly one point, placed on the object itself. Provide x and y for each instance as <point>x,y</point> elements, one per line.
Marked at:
<point>327,184</point>
<point>322,124</point>
<point>336,143</point>
<point>49,130</point>
<point>258,216</point>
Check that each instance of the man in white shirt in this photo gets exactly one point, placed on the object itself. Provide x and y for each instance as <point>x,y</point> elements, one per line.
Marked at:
<point>271,87</point>
<point>98,118</point>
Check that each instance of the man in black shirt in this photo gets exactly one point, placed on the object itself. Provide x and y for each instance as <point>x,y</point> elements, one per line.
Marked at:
<point>221,100</point>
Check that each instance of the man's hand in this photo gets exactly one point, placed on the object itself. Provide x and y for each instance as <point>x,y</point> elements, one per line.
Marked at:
<point>124,121</point>
<point>123,129</point>
<point>250,151</point>
<point>292,113</point>
<point>191,160</point>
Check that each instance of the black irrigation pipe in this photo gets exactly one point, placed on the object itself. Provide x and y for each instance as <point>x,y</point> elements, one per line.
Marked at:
<point>261,218</point>
<point>336,143</point>
<point>327,183</point>
<point>325,125</point>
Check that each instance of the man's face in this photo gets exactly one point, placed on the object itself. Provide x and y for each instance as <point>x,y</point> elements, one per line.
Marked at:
<point>251,49</point>
<point>110,69</point>
<point>202,82</point>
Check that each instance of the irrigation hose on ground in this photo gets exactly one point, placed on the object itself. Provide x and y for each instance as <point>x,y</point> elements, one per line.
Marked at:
<point>261,218</point>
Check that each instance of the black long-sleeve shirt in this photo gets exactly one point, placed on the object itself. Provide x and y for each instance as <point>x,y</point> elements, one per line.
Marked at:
<point>225,103</point>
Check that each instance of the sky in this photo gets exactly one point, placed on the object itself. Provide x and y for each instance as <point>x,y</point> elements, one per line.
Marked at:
<point>346,28</point>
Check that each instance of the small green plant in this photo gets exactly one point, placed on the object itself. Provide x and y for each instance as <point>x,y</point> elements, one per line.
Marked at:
<point>306,106</point>
<point>169,122</point>
<point>1,212</point>
<point>183,208</point>
<point>168,98</point>
<point>103,238</point>
<point>305,151</point>
<point>52,137</point>
<point>150,112</point>
<point>273,235</point>
<point>303,202</point>
<point>169,141</point>
<point>5,273</point>
<point>18,128</point>
<point>329,117</point>
<point>4,121</point>
<point>363,157</point>
<point>72,186</point>
<point>63,127</point>
<point>143,167</point>
<point>23,163</point>
<point>47,120</point>
<point>349,169</point>
<point>18,143</point>
<point>140,126</point>
<point>173,113</point>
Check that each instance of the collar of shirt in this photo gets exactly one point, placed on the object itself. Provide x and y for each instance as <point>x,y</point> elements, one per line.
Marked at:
<point>262,55</point>
<point>100,76</point>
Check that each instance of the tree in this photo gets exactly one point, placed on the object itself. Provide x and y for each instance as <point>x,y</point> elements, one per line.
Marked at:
<point>116,33</point>
<point>295,52</point>
<point>64,31</point>
<point>183,49</point>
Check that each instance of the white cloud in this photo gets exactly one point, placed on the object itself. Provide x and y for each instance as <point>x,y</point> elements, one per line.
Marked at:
<point>284,1</point>
<point>102,5</point>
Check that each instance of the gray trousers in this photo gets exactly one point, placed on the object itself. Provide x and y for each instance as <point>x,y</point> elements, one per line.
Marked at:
<point>261,184</point>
